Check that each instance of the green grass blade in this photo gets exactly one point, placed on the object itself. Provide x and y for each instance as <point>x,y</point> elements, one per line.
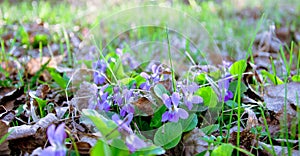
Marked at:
<point>172,68</point>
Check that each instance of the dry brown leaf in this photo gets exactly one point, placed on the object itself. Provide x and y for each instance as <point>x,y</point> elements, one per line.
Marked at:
<point>275,101</point>
<point>45,122</point>
<point>29,130</point>
<point>144,104</point>
<point>8,97</point>
<point>29,137</point>
<point>275,98</point>
<point>21,132</point>
<point>35,64</point>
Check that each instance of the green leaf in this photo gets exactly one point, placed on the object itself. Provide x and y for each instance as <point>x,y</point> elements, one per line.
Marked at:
<point>276,80</point>
<point>101,148</point>
<point>223,150</point>
<point>210,98</point>
<point>118,69</point>
<point>189,123</point>
<point>233,85</point>
<point>168,135</point>
<point>126,81</point>
<point>215,74</point>
<point>20,110</point>
<point>109,89</point>
<point>159,90</point>
<point>62,82</point>
<point>231,104</point>
<point>107,127</point>
<point>204,153</point>
<point>139,80</point>
<point>210,129</point>
<point>150,150</point>
<point>118,148</point>
<point>111,54</point>
<point>157,116</point>
<point>296,78</point>
<point>238,67</point>
<point>173,143</point>
<point>142,67</point>
<point>200,79</point>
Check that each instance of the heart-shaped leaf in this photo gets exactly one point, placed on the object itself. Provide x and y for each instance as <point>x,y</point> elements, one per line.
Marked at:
<point>210,98</point>
<point>238,67</point>
<point>189,123</point>
<point>168,135</point>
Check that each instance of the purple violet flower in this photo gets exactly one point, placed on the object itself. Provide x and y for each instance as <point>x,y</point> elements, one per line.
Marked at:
<point>127,94</point>
<point>123,100</point>
<point>154,77</point>
<point>56,138</point>
<point>127,108</point>
<point>225,93</point>
<point>102,102</point>
<point>189,97</point>
<point>99,76</point>
<point>174,113</point>
<point>146,85</point>
<point>134,143</point>
<point>117,97</point>
<point>124,125</point>
<point>156,72</point>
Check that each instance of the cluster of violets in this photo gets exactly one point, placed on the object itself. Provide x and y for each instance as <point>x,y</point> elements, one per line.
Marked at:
<point>122,97</point>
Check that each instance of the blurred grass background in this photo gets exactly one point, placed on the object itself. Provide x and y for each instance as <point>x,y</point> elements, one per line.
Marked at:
<point>231,23</point>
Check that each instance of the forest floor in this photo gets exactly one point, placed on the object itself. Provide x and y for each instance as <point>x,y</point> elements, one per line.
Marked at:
<point>150,77</point>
